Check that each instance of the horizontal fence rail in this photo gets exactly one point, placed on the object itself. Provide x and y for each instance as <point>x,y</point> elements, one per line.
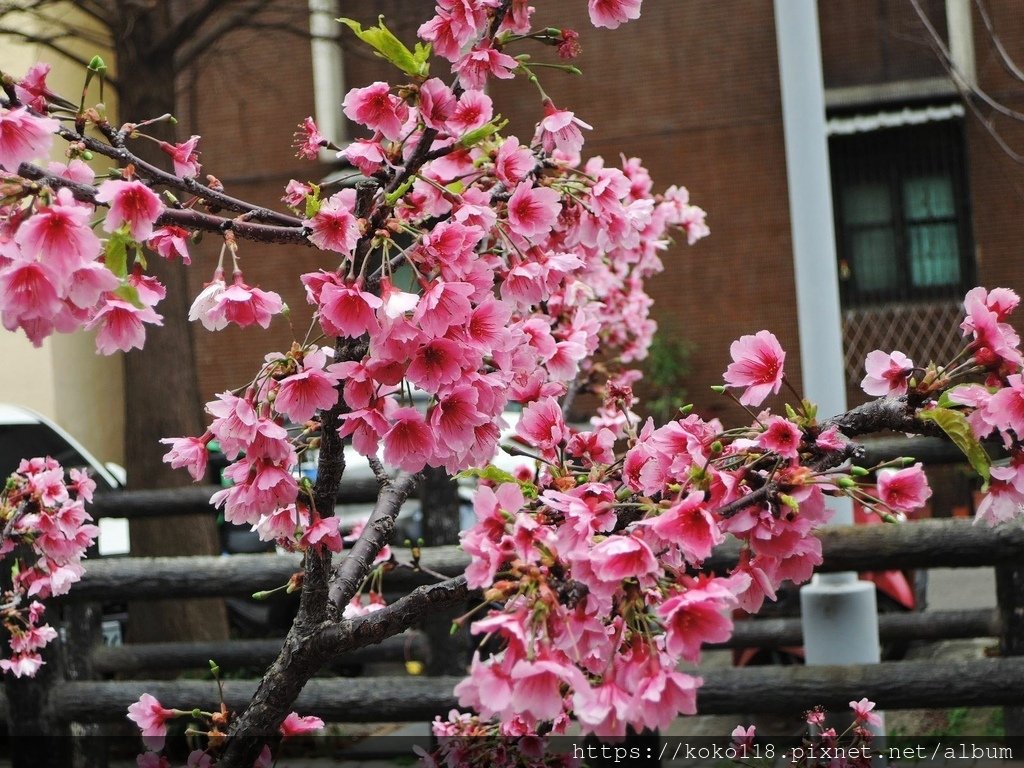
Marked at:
<point>919,544</point>
<point>125,659</point>
<point>195,500</point>
<point>753,690</point>
<point>413,645</point>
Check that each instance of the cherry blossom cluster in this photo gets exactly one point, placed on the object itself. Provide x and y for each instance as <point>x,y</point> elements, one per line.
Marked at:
<point>471,269</point>
<point>979,395</point>
<point>821,746</point>
<point>46,532</point>
<point>494,272</point>
<point>57,274</point>
<point>596,562</point>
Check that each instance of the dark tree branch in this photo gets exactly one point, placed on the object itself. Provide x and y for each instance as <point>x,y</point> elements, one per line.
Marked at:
<point>194,47</point>
<point>50,43</point>
<point>351,571</point>
<point>1007,61</point>
<point>188,26</point>
<point>406,612</point>
<point>182,217</point>
<point>893,414</point>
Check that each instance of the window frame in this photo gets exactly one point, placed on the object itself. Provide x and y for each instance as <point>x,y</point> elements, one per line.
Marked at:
<point>892,156</point>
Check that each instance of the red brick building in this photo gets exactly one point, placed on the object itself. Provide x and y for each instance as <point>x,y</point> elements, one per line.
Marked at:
<point>927,203</point>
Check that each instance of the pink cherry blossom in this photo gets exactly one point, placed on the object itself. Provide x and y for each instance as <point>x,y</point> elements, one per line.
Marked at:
<point>560,130</point>
<point>542,425</point>
<point>295,725</point>
<point>611,13</point>
<point>346,310</point>
<point>513,162</point>
<point>781,436</point>
<point>22,664</point>
<point>28,290</point>
<point>189,452</point>
<point>696,616</point>
<point>132,203</point>
<point>32,90</point>
<point>757,366</point>
<point>887,374</point>
<point>151,717</point>
<point>533,211</point>
<point>904,490</point>
<point>295,193</point>
<point>308,140</point>
<point>375,107</point>
<point>1005,498</point>
<point>862,711</point>
<point>622,557</point>
<point>75,170</point>
<point>171,242</point>
<point>335,227</point>
<point>312,388</point>
<point>60,234</point>
<point>121,326</point>
<point>365,154</point>
<point>184,157</point>
<point>437,104</point>
<point>690,526</point>
<point>474,109</point>
<point>483,61</point>
<point>244,305</point>
<point>23,136</point>
<point>409,441</point>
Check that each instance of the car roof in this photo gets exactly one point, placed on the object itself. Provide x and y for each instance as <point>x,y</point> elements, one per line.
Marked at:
<point>13,415</point>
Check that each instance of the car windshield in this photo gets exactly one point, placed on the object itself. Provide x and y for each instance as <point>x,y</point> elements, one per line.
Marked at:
<point>22,441</point>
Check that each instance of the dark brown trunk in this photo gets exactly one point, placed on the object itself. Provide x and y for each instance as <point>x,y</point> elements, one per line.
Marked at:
<point>161,393</point>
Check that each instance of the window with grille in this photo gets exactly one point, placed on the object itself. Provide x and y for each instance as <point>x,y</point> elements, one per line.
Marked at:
<point>902,213</point>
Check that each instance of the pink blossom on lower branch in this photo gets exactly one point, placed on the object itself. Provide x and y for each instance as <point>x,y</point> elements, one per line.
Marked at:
<point>756,366</point>
<point>296,725</point>
<point>151,717</point>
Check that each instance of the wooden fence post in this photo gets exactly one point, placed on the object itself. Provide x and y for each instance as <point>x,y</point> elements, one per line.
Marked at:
<point>37,739</point>
<point>83,631</point>
<point>1010,597</point>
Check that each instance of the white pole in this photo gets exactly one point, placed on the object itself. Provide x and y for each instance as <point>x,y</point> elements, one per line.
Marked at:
<point>840,621</point>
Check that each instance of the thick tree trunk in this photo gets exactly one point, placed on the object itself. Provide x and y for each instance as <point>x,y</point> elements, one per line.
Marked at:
<point>161,393</point>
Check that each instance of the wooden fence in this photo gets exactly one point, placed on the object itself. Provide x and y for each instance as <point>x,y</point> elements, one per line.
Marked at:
<point>72,689</point>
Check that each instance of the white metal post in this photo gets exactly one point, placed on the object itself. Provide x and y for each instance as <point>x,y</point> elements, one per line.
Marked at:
<point>840,621</point>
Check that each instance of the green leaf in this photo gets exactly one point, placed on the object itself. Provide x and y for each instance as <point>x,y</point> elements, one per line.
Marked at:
<point>313,202</point>
<point>130,294</point>
<point>391,48</point>
<point>394,197</point>
<point>116,252</point>
<point>955,425</point>
<point>481,133</point>
<point>490,472</point>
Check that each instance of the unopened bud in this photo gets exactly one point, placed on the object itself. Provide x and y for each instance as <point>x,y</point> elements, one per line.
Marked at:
<point>718,388</point>
<point>716,447</point>
<point>859,472</point>
<point>686,409</point>
<point>846,482</point>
